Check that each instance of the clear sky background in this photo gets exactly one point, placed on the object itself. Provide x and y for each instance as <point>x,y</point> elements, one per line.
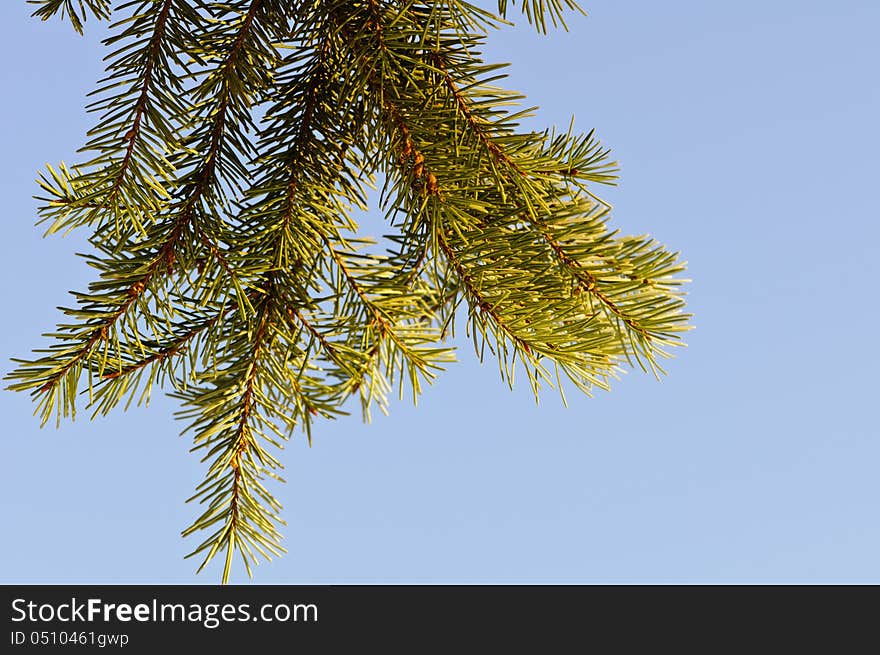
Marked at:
<point>748,139</point>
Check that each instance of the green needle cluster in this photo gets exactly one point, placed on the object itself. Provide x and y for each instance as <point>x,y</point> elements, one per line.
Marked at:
<point>235,145</point>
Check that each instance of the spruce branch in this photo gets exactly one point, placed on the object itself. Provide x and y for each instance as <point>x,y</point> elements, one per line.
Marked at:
<point>234,144</point>
<point>524,187</point>
<point>126,179</point>
<point>538,11</point>
<point>581,161</point>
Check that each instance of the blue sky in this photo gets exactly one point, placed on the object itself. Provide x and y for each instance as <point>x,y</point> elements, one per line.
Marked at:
<point>748,139</point>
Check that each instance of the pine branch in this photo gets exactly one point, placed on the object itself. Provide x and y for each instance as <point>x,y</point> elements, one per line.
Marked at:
<point>593,169</point>
<point>289,170</point>
<point>126,179</point>
<point>517,186</point>
<point>239,462</point>
<point>54,378</point>
<point>339,265</point>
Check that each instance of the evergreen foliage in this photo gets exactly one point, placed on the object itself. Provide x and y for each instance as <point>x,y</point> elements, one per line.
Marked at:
<point>234,143</point>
